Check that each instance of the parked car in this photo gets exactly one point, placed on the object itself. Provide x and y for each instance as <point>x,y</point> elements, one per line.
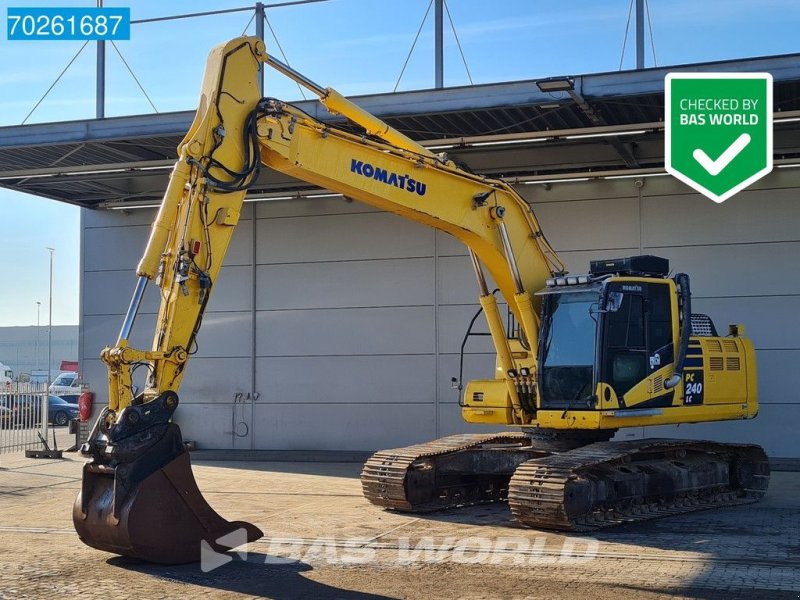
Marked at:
<point>26,411</point>
<point>59,411</point>
<point>66,383</point>
<point>6,417</point>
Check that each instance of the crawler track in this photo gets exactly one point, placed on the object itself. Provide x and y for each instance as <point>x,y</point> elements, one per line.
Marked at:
<point>610,483</point>
<point>415,478</point>
<point>567,482</point>
<point>460,469</point>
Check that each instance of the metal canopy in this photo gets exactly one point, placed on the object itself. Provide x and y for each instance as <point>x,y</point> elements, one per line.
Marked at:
<point>127,159</point>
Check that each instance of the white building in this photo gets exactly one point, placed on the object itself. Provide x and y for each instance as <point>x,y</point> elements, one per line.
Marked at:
<point>337,327</point>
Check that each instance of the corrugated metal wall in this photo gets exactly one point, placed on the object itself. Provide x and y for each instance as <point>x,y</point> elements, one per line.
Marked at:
<point>359,314</point>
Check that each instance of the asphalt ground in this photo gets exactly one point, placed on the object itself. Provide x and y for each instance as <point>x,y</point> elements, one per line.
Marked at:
<point>323,540</point>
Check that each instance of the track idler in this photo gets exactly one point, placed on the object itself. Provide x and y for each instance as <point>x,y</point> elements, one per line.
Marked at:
<point>138,495</point>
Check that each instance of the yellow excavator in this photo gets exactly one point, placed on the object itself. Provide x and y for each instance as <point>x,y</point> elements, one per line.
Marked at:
<point>578,356</point>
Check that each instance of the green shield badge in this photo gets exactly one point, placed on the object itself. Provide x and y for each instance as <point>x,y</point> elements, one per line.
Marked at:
<point>718,130</point>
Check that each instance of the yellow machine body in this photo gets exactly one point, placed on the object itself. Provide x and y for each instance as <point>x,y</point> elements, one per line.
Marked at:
<point>721,384</point>
<point>397,175</point>
<point>137,451</point>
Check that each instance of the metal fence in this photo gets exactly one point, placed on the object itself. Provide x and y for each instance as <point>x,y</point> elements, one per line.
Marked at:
<point>23,417</point>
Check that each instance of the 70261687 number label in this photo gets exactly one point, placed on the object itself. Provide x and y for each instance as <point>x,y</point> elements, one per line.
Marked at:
<point>68,23</point>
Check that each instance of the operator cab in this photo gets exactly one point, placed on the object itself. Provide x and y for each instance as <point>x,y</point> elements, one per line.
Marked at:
<point>615,326</point>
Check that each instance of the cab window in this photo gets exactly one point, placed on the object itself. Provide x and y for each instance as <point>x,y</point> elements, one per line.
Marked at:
<point>638,335</point>
<point>625,344</point>
<point>659,322</point>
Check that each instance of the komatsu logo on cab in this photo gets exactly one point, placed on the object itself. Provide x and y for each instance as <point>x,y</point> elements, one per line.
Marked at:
<point>404,182</point>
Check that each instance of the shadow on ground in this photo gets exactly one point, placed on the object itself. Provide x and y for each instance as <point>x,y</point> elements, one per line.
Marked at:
<point>350,470</point>
<point>254,577</point>
<point>723,532</point>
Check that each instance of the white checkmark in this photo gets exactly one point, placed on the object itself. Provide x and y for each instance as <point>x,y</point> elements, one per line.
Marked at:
<point>715,167</point>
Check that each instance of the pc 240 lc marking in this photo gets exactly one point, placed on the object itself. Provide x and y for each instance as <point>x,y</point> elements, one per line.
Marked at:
<point>693,390</point>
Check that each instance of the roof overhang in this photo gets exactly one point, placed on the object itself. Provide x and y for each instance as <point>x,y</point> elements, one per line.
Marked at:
<point>611,124</point>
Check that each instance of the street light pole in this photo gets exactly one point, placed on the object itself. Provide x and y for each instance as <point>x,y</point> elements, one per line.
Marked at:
<point>50,328</point>
<point>36,353</point>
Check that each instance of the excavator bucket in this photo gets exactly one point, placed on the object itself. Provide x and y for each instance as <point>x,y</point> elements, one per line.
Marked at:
<point>138,495</point>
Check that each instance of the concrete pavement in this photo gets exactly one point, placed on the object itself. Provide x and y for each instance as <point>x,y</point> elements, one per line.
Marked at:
<point>323,540</point>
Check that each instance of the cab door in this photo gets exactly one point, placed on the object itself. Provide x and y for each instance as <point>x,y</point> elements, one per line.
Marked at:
<point>638,343</point>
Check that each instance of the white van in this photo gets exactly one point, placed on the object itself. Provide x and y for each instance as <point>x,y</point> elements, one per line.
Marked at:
<point>67,383</point>
<point>6,377</point>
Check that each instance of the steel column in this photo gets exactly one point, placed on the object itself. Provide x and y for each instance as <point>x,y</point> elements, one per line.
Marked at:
<point>640,34</point>
<point>100,98</point>
<point>439,42</point>
<point>261,15</point>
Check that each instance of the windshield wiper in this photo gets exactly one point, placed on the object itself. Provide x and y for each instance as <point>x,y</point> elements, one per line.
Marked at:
<point>571,400</point>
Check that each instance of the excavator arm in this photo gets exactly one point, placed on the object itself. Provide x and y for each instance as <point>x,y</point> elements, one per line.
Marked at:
<point>139,465</point>
<point>217,161</point>
<point>138,495</point>
<point>235,131</point>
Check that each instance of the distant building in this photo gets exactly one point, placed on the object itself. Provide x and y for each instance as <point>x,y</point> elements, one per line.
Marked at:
<point>20,350</point>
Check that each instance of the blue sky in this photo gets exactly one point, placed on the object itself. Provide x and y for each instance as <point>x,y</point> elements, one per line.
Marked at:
<point>356,46</point>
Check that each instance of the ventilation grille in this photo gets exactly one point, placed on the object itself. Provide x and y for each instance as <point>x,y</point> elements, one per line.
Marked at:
<point>715,363</point>
<point>730,346</point>
<point>656,385</point>
<point>477,396</point>
<point>702,325</point>
<point>732,363</point>
<point>714,345</point>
